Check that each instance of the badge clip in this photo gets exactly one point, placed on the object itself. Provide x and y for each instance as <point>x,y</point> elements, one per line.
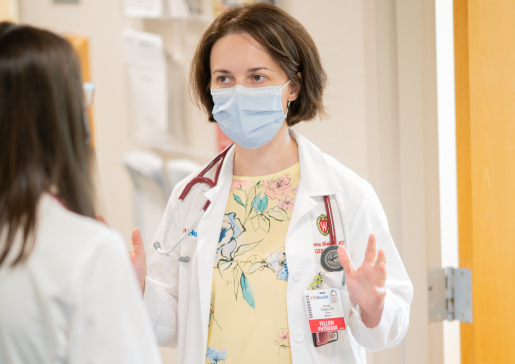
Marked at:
<point>317,281</point>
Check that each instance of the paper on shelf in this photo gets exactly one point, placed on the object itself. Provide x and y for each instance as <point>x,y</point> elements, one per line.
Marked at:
<point>178,9</point>
<point>147,76</point>
<point>143,8</point>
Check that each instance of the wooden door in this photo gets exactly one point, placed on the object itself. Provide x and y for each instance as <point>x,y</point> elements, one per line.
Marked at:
<point>485,121</point>
<point>8,10</point>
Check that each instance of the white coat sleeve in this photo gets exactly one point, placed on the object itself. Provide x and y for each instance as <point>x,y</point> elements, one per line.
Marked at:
<point>162,282</point>
<point>108,321</point>
<point>370,218</point>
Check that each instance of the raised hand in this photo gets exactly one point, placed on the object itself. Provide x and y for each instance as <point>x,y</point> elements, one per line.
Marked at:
<point>139,261</point>
<point>365,284</point>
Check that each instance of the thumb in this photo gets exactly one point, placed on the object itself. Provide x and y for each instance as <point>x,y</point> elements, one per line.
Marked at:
<point>345,259</point>
<point>137,242</point>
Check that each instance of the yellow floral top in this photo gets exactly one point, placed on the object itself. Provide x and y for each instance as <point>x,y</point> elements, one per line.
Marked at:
<point>248,321</point>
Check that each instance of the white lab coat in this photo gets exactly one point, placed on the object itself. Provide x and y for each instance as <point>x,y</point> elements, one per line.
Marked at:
<point>76,299</point>
<point>178,294</point>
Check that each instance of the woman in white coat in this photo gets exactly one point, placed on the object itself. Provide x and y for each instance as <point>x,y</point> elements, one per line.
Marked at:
<point>67,288</point>
<point>258,247</point>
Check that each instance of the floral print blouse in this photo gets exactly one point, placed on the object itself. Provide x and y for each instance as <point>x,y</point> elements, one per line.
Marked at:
<point>248,318</point>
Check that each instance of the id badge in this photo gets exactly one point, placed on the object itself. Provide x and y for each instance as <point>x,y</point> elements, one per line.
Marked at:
<point>325,310</point>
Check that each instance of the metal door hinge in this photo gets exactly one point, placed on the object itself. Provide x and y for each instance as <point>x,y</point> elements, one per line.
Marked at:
<point>450,294</point>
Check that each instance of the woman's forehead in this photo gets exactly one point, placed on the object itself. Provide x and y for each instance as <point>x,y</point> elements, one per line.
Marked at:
<point>239,52</point>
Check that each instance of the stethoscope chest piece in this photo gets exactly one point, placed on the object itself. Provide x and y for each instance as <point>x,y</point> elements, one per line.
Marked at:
<point>329,259</point>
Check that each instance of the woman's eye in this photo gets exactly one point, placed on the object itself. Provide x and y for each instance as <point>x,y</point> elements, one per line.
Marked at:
<point>258,78</point>
<point>223,79</point>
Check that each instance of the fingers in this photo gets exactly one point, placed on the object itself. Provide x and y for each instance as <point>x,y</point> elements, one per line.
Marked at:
<point>380,267</point>
<point>381,258</point>
<point>137,242</point>
<point>370,254</point>
<point>381,274</point>
<point>345,259</point>
<point>379,292</point>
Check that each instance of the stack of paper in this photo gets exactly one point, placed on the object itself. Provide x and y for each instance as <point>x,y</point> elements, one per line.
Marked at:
<point>143,8</point>
<point>147,75</point>
<point>156,8</point>
<point>178,9</point>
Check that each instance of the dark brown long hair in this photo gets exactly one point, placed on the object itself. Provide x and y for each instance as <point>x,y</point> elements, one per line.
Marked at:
<point>42,132</point>
<point>288,43</point>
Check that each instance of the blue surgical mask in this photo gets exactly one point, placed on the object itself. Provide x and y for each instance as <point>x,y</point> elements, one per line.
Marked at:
<point>249,116</point>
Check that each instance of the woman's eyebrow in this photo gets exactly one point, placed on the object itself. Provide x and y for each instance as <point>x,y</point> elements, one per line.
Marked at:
<point>222,71</point>
<point>258,68</point>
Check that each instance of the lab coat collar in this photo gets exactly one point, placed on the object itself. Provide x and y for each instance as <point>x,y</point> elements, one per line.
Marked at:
<point>316,176</point>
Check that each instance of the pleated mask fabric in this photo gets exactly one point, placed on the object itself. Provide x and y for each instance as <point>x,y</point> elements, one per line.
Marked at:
<point>250,117</point>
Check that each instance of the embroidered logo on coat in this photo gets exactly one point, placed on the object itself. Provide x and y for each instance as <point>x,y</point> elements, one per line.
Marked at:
<point>323,225</point>
<point>192,232</point>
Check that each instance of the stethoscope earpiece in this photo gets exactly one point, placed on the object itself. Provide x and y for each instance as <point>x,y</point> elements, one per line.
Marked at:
<point>157,246</point>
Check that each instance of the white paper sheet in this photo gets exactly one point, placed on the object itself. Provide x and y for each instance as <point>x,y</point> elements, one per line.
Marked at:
<point>143,8</point>
<point>147,75</point>
<point>178,9</point>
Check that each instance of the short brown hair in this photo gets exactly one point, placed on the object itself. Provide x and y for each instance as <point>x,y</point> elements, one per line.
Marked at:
<point>288,43</point>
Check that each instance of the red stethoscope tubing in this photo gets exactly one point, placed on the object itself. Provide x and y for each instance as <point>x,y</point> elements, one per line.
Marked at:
<point>330,221</point>
<point>201,178</point>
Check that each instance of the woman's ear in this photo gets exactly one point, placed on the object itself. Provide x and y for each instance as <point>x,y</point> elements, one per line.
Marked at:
<point>294,89</point>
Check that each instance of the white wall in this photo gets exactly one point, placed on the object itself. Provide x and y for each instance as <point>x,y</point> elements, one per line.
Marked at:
<point>379,91</point>
<point>102,22</point>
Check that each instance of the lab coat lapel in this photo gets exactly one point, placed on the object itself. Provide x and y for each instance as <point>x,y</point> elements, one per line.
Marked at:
<point>316,179</point>
<point>315,173</point>
<point>303,204</point>
<point>208,235</point>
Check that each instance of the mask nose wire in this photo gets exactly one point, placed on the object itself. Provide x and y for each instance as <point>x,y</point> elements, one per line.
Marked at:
<point>286,84</point>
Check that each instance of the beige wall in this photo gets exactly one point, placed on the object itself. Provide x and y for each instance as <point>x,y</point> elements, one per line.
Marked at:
<point>380,99</point>
<point>102,22</point>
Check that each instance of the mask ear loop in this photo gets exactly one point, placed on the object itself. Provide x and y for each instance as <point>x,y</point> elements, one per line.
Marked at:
<point>288,107</point>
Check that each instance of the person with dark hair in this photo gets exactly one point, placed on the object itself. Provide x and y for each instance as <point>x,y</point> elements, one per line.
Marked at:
<point>233,291</point>
<point>67,288</point>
